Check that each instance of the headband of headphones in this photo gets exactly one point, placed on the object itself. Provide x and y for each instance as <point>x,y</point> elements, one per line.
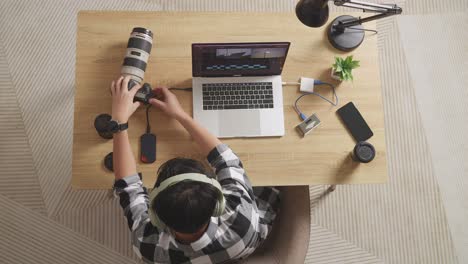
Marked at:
<point>197,177</point>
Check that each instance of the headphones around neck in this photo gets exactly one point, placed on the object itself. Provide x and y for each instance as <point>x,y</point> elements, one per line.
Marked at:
<point>197,177</point>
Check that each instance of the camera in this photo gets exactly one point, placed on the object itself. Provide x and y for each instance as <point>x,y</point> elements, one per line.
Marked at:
<point>135,61</point>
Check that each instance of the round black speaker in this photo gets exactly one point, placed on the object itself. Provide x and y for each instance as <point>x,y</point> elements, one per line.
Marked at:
<point>363,152</point>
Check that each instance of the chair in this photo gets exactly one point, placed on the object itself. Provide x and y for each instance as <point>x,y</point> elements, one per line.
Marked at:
<point>289,238</point>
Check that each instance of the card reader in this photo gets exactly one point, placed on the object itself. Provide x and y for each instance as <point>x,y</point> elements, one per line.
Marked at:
<point>308,125</point>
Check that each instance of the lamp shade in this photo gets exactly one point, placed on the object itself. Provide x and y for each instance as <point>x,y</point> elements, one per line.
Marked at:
<point>312,13</point>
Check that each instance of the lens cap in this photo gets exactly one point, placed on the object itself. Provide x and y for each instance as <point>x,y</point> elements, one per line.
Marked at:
<point>108,162</point>
<point>101,123</point>
<point>143,30</point>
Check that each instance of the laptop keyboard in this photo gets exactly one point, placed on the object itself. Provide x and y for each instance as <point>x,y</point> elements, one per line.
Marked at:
<point>223,96</point>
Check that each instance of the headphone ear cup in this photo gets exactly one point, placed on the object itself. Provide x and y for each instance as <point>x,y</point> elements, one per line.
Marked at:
<point>220,205</point>
<point>155,221</point>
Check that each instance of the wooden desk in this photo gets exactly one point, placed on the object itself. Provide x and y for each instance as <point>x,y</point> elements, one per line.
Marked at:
<point>319,158</point>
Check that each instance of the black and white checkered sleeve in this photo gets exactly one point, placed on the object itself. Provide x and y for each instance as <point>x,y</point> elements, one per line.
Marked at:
<point>229,169</point>
<point>134,201</point>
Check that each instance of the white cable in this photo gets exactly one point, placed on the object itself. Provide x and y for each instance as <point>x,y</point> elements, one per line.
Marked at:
<point>291,83</point>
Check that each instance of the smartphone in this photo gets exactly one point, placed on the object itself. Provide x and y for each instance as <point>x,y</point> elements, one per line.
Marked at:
<point>354,122</point>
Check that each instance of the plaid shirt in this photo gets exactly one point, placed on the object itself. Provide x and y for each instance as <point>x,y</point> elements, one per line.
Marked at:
<point>245,224</point>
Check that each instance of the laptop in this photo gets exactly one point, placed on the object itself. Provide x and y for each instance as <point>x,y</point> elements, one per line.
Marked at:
<point>237,88</point>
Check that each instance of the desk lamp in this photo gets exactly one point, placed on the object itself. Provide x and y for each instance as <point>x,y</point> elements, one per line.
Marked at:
<point>344,32</point>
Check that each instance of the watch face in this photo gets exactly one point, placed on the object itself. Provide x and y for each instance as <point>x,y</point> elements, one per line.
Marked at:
<point>113,126</point>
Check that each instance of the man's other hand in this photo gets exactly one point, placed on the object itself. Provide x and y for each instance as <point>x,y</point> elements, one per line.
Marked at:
<point>167,102</point>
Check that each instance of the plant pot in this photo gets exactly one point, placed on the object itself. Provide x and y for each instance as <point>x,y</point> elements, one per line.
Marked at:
<point>334,75</point>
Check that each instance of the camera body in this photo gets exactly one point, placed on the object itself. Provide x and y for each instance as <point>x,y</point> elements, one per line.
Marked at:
<point>136,58</point>
<point>143,94</point>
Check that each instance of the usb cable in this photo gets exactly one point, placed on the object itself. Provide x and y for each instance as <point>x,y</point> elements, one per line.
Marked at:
<point>316,82</point>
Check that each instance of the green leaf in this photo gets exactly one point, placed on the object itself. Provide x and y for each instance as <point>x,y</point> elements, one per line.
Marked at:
<point>339,68</point>
<point>345,76</point>
<point>340,61</point>
<point>354,64</point>
<point>348,60</point>
<point>348,76</point>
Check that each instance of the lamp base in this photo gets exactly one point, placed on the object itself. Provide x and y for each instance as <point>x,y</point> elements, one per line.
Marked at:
<point>348,39</point>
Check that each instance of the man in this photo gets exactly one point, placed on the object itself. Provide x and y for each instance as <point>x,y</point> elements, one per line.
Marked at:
<point>192,234</point>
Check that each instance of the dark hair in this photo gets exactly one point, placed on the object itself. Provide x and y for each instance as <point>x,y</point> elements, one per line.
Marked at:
<point>188,205</point>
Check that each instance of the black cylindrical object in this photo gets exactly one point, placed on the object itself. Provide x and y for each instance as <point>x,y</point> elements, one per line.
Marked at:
<point>109,161</point>
<point>101,123</point>
<point>363,152</point>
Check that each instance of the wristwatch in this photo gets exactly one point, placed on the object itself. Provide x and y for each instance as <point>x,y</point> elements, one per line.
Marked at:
<point>115,127</point>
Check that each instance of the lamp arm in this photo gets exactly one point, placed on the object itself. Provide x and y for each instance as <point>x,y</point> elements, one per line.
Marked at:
<point>366,5</point>
<point>384,10</point>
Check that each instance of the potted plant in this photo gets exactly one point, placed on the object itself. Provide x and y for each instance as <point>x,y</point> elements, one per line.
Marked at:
<point>342,69</point>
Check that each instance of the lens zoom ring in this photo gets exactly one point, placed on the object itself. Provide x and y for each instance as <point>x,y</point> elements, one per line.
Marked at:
<point>135,63</point>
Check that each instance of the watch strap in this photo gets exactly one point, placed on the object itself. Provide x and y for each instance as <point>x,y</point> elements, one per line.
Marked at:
<point>115,126</point>
<point>123,127</point>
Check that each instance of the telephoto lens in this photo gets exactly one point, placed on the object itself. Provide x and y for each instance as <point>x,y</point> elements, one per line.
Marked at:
<point>137,55</point>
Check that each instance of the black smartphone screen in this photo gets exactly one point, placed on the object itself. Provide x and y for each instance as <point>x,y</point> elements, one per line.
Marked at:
<point>354,122</point>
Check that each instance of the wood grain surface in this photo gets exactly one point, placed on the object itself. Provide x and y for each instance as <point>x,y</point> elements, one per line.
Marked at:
<point>322,157</point>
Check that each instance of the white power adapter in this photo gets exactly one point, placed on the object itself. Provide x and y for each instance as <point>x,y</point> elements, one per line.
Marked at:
<point>307,85</point>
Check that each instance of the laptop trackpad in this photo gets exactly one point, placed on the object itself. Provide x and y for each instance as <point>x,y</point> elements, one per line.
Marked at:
<point>239,123</point>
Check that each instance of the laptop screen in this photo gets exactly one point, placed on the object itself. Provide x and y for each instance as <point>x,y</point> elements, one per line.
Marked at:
<point>238,59</point>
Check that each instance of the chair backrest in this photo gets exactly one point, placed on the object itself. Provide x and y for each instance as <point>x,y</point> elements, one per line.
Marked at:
<point>289,239</point>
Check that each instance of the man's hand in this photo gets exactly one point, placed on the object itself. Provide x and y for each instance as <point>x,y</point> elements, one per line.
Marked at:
<point>167,102</point>
<point>122,99</point>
